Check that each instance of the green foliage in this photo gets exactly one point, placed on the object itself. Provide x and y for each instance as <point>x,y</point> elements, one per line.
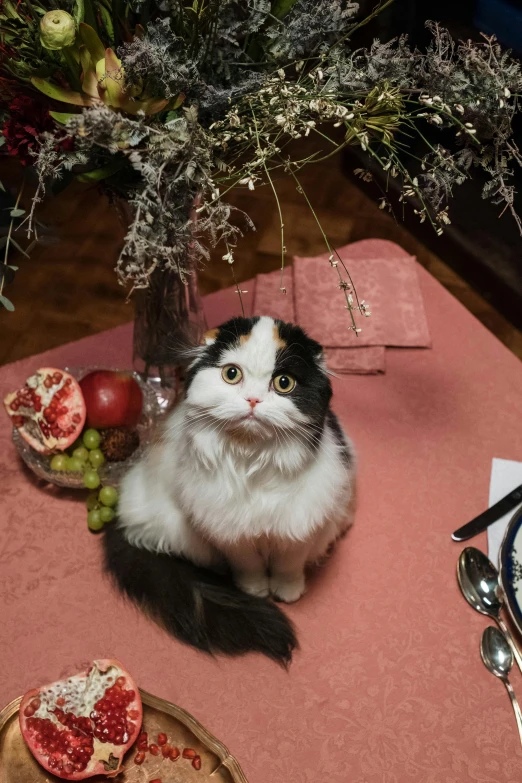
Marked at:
<point>178,103</point>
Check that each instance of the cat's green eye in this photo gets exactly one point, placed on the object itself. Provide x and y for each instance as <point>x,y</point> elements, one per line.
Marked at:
<point>284,384</point>
<point>231,374</point>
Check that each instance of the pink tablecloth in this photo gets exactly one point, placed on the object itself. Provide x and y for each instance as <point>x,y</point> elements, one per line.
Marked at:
<point>388,686</point>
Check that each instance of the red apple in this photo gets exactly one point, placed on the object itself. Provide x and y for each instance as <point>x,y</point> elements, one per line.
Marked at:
<point>112,399</point>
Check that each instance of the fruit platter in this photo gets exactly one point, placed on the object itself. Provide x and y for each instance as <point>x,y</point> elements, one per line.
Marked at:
<point>98,725</point>
<point>82,428</point>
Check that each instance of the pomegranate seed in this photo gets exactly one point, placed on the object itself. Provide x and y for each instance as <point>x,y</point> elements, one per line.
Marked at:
<point>188,753</point>
<point>60,701</point>
<point>29,711</point>
<point>139,757</point>
<point>156,780</point>
<point>121,681</point>
<point>57,377</point>
<point>14,405</point>
<point>48,382</point>
<point>165,751</point>
<point>67,382</point>
<point>154,750</point>
<point>196,762</point>
<point>18,421</point>
<point>174,754</point>
<point>162,739</point>
<point>134,714</point>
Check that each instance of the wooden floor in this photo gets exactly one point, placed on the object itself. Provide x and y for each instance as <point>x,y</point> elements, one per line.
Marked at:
<point>69,290</point>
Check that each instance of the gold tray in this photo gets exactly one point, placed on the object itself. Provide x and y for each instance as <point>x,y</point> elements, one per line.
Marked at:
<point>17,765</point>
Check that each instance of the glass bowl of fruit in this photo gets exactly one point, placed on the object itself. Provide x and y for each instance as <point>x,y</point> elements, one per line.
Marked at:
<point>82,428</point>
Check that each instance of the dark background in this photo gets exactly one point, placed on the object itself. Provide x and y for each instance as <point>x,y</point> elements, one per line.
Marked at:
<point>485,249</point>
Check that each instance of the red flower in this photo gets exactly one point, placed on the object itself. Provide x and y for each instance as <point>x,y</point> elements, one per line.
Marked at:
<point>28,120</point>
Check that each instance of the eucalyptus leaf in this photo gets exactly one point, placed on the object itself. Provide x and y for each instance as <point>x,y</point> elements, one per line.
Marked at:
<point>102,173</point>
<point>6,273</point>
<point>62,117</point>
<point>281,7</point>
<point>6,303</point>
<point>20,249</point>
<point>16,213</point>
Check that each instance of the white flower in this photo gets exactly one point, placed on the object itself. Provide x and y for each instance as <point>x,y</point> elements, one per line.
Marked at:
<point>459,108</point>
<point>248,181</point>
<point>507,92</point>
<point>280,119</point>
<point>228,257</point>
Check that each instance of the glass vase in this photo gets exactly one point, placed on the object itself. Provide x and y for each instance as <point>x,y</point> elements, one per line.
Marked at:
<point>169,320</point>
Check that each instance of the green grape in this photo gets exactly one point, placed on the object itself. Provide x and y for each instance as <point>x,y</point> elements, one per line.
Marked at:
<point>81,453</point>
<point>59,462</point>
<point>75,465</point>
<point>94,520</point>
<point>91,439</point>
<point>92,501</point>
<point>107,514</point>
<point>91,479</point>
<point>96,458</point>
<point>108,496</point>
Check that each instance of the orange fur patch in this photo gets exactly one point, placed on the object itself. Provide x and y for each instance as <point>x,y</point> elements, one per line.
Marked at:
<point>210,335</point>
<point>278,339</point>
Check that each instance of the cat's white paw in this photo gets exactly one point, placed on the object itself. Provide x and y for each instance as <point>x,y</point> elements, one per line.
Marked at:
<point>286,588</point>
<point>254,584</point>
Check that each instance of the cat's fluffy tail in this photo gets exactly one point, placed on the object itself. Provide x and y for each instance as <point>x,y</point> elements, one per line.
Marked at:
<point>197,606</point>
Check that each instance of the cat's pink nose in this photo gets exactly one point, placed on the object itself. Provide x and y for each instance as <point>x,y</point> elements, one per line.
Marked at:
<point>253,401</point>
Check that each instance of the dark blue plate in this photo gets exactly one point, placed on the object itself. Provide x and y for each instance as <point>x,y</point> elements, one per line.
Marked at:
<point>511,568</point>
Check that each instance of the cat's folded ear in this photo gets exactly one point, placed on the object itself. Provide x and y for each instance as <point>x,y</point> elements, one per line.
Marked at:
<point>210,337</point>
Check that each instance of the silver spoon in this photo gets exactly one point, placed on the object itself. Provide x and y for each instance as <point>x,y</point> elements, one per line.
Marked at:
<point>479,583</point>
<point>498,659</point>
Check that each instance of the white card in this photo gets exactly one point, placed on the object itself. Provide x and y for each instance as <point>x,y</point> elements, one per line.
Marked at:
<point>506,475</point>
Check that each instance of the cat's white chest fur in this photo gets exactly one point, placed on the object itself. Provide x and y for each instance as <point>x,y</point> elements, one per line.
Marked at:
<point>243,492</point>
<point>197,496</point>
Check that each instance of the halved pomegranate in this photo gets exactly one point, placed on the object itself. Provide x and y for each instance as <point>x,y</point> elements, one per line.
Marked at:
<point>84,725</point>
<point>49,411</point>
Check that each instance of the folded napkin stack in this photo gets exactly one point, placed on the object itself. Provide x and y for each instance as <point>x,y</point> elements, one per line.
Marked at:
<point>384,275</point>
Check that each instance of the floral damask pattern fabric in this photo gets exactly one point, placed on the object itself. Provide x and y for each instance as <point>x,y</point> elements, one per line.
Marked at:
<point>312,300</point>
<point>388,685</point>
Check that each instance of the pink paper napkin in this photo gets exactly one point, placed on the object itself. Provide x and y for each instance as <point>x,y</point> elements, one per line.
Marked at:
<point>313,300</point>
<point>385,276</point>
<point>269,300</point>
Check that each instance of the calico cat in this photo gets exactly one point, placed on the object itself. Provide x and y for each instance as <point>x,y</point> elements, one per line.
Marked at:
<point>252,479</point>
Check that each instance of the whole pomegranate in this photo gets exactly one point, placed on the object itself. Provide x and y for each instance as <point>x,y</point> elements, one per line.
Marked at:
<point>49,411</point>
<point>112,399</point>
<point>83,725</point>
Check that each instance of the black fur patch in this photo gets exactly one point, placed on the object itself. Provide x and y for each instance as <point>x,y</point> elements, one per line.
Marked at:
<point>333,423</point>
<point>300,358</point>
<point>197,606</point>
